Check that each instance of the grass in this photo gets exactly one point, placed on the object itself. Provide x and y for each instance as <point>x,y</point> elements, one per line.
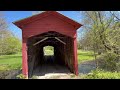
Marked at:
<point>49,52</point>
<point>101,74</point>
<point>10,62</point>
<point>82,55</point>
<point>85,56</point>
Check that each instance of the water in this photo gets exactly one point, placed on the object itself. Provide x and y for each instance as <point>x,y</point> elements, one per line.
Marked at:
<point>85,68</point>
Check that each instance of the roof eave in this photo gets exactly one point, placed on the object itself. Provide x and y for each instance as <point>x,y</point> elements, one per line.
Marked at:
<point>21,23</point>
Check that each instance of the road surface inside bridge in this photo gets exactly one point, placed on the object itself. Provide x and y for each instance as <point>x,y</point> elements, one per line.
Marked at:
<point>51,70</point>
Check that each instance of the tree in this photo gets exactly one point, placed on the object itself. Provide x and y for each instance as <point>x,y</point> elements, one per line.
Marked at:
<point>12,45</point>
<point>116,15</point>
<point>3,23</point>
<point>3,31</point>
<point>9,44</point>
<point>102,31</point>
<point>100,25</point>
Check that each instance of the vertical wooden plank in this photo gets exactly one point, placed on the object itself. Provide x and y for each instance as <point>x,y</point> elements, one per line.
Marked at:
<point>24,58</point>
<point>75,56</point>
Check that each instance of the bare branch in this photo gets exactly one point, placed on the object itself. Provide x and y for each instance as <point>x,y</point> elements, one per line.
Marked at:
<point>115,16</point>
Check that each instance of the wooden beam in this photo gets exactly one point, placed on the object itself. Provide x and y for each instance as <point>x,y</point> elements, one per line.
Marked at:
<point>40,41</point>
<point>24,58</point>
<point>48,37</point>
<point>60,40</point>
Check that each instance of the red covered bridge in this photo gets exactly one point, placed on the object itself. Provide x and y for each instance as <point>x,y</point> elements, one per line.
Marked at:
<point>48,28</point>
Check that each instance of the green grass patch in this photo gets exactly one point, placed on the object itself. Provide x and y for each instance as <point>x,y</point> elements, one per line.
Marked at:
<point>48,50</point>
<point>100,74</point>
<point>10,62</point>
<point>85,56</point>
<point>82,55</point>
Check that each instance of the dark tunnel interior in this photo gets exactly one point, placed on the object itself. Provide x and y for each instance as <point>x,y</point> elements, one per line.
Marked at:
<point>63,53</point>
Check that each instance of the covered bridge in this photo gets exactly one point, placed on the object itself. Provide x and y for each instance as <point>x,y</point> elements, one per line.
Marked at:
<point>48,28</point>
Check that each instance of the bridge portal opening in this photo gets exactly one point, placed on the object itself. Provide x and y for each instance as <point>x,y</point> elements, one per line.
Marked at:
<point>49,54</point>
<point>50,50</point>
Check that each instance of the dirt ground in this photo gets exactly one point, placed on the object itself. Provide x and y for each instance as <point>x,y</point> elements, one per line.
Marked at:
<point>52,71</point>
<point>49,71</point>
<point>11,74</point>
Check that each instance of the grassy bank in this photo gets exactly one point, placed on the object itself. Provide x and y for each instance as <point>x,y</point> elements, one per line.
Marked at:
<point>85,56</point>
<point>100,74</point>
<point>10,62</point>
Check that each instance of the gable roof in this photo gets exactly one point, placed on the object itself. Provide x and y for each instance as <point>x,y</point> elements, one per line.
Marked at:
<point>24,21</point>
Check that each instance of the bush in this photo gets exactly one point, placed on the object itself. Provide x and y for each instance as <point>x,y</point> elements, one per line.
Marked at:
<point>10,45</point>
<point>118,66</point>
<point>100,74</point>
<point>21,76</point>
<point>110,61</point>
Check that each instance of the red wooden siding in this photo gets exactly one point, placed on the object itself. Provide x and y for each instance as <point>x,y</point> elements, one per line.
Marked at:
<point>44,22</point>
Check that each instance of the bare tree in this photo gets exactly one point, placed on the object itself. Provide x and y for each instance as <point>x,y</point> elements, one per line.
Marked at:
<point>3,29</point>
<point>3,23</point>
<point>7,39</point>
<point>116,14</point>
<point>99,28</point>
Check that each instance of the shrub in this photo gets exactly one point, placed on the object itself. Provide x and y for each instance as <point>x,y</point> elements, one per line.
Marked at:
<point>100,74</point>
<point>10,45</point>
<point>118,66</point>
<point>21,76</point>
<point>110,61</point>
